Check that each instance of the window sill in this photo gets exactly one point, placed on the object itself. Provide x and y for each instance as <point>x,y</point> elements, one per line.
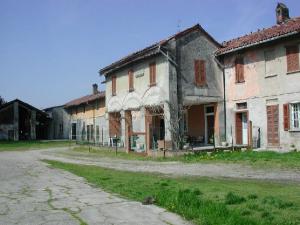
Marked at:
<point>292,72</point>
<point>201,85</point>
<point>151,85</point>
<point>294,130</point>
<point>271,75</point>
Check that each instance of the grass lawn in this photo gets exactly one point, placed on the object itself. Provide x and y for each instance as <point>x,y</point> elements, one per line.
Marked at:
<point>256,159</point>
<point>201,200</point>
<point>29,145</point>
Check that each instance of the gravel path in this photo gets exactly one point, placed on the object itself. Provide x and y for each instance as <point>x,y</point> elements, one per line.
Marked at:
<point>177,168</point>
<point>31,193</point>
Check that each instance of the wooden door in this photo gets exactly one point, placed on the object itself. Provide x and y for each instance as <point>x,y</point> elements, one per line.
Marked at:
<point>273,125</point>
<point>239,128</point>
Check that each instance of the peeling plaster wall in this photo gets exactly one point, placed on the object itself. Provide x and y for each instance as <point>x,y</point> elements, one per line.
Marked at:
<point>196,45</point>
<point>259,89</point>
<point>143,95</point>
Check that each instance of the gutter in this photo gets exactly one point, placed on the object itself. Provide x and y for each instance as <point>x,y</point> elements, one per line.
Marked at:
<point>258,43</point>
<point>167,56</point>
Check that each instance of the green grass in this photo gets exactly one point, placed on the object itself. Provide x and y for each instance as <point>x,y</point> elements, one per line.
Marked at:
<point>204,201</point>
<point>256,159</point>
<point>29,145</point>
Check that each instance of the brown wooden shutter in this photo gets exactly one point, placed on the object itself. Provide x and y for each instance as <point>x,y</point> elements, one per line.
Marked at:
<point>239,69</point>
<point>239,128</point>
<point>152,68</point>
<point>197,71</point>
<point>113,85</point>
<point>292,57</point>
<point>286,117</point>
<point>130,80</point>
<point>272,125</point>
<point>200,72</point>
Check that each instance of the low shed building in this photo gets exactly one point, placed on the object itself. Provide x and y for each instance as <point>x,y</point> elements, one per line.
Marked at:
<point>21,121</point>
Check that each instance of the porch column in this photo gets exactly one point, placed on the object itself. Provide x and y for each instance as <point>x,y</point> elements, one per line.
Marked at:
<point>216,124</point>
<point>33,125</point>
<point>123,130</point>
<point>169,128</point>
<point>128,130</point>
<point>16,121</point>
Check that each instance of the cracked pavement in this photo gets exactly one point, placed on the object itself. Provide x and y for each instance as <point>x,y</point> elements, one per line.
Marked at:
<point>32,193</point>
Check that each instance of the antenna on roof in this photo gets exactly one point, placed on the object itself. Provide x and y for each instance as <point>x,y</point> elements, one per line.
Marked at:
<point>179,25</point>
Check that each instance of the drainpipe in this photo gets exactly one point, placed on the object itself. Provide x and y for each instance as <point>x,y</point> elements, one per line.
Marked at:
<point>224,93</point>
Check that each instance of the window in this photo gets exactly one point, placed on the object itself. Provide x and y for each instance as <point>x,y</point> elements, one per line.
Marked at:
<point>239,69</point>
<point>292,58</point>
<point>270,68</point>
<point>130,80</point>
<point>84,109</point>
<point>241,105</point>
<point>113,85</point>
<point>295,116</point>
<point>152,68</point>
<point>200,72</point>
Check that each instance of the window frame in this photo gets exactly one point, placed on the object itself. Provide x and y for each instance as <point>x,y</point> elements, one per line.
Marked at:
<point>287,48</point>
<point>114,85</point>
<point>292,116</point>
<point>152,74</point>
<point>239,60</point>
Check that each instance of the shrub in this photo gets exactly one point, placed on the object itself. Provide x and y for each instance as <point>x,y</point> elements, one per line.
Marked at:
<point>232,199</point>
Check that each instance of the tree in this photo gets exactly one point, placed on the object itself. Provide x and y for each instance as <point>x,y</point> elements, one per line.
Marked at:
<point>2,101</point>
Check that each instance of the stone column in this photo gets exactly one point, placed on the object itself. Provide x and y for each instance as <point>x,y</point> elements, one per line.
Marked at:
<point>33,125</point>
<point>16,121</point>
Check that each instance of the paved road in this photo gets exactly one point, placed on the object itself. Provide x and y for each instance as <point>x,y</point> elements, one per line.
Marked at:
<point>176,168</point>
<point>31,193</point>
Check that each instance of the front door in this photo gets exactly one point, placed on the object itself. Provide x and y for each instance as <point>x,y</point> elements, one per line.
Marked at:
<point>210,119</point>
<point>272,125</point>
<point>241,128</point>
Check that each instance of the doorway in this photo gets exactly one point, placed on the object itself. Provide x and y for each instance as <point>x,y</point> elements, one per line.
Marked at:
<point>73,131</point>
<point>209,124</point>
<point>241,128</point>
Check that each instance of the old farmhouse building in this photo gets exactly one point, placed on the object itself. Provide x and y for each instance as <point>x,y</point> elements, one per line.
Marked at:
<point>87,118</point>
<point>190,90</point>
<point>262,85</point>
<point>166,92</point>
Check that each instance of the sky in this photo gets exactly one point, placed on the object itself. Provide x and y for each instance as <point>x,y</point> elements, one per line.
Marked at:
<point>51,50</point>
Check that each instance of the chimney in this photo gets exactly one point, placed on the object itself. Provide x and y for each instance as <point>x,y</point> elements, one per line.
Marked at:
<point>282,13</point>
<point>95,89</point>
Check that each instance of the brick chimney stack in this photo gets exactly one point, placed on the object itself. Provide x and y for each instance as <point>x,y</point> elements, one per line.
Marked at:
<point>95,89</point>
<point>282,13</point>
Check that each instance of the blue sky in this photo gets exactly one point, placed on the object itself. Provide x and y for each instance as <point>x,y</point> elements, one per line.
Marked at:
<point>51,50</point>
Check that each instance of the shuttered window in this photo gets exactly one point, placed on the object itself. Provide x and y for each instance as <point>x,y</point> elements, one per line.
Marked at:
<point>292,58</point>
<point>239,69</point>
<point>273,125</point>
<point>286,117</point>
<point>295,116</point>
<point>270,66</point>
<point>130,80</point>
<point>200,72</point>
<point>152,68</point>
<point>113,85</point>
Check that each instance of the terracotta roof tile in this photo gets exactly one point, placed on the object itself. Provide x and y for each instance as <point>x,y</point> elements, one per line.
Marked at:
<point>85,99</point>
<point>277,31</point>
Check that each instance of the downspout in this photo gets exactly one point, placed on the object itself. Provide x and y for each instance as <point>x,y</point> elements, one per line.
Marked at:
<point>224,94</point>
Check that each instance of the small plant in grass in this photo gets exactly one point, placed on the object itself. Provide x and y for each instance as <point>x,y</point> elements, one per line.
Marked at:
<point>232,198</point>
<point>252,196</point>
<point>276,202</point>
